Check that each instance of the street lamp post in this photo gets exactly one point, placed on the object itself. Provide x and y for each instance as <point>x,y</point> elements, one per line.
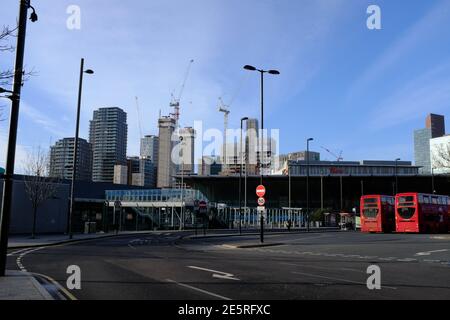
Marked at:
<point>396,175</point>
<point>75,148</point>
<point>261,157</point>
<point>307,181</point>
<point>432,181</point>
<point>290,199</point>
<point>240,178</point>
<point>182,186</point>
<point>12,138</point>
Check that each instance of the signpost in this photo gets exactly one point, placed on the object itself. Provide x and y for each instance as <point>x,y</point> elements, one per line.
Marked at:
<point>261,192</point>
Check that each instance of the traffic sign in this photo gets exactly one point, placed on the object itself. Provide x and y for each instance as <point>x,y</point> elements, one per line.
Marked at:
<point>261,191</point>
<point>261,202</point>
<point>261,209</point>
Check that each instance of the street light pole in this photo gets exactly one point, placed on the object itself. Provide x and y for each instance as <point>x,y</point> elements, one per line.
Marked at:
<point>432,181</point>
<point>261,156</point>
<point>289,178</point>
<point>396,175</point>
<point>75,148</point>
<point>307,181</point>
<point>12,139</point>
<point>182,186</point>
<point>240,178</point>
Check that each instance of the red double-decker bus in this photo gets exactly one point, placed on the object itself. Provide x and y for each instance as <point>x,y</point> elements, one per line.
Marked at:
<point>422,213</point>
<point>377,214</point>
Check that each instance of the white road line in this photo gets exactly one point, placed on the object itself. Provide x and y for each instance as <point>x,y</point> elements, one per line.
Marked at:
<point>198,289</point>
<point>322,268</point>
<point>336,279</point>
<point>217,274</point>
<point>23,254</point>
<point>16,252</point>
<point>428,253</point>
<point>407,260</point>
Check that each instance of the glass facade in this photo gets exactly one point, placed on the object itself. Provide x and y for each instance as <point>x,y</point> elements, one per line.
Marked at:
<point>154,195</point>
<point>325,169</point>
<point>422,152</point>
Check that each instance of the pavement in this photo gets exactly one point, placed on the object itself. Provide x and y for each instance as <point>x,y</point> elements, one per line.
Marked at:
<point>19,285</point>
<point>298,266</point>
<point>25,241</point>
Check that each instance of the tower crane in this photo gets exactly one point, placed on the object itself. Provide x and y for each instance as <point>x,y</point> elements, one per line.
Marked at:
<point>139,117</point>
<point>226,113</point>
<point>175,103</point>
<point>338,158</point>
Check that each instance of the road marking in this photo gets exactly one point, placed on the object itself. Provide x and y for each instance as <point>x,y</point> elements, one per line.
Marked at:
<point>23,254</point>
<point>428,253</point>
<point>217,274</point>
<point>407,260</point>
<point>337,279</point>
<point>432,261</point>
<point>57,285</point>
<point>16,252</point>
<point>322,268</point>
<point>198,289</point>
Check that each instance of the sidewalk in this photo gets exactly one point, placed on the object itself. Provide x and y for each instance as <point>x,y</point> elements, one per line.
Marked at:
<point>18,285</point>
<point>25,241</point>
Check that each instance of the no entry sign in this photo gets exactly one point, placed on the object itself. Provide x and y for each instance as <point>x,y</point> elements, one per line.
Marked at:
<point>261,191</point>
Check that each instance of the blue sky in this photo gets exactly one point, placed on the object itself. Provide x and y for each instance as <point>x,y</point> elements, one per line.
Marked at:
<point>352,89</point>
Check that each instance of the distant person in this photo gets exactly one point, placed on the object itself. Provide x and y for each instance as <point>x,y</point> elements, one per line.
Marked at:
<point>289,225</point>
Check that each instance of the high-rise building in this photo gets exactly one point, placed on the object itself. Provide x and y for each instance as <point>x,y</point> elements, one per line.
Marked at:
<point>187,150</point>
<point>422,158</point>
<point>61,159</point>
<point>149,148</point>
<point>137,172</point>
<point>209,166</point>
<point>146,176</point>
<point>252,147</point>
<point>121,174</point>
<point>436,123</point>
<point>108,136</point>
<point>435,128</point>
<point>166,167</point>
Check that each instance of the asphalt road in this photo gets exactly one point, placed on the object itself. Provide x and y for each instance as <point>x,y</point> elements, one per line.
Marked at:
<point>330,265</point>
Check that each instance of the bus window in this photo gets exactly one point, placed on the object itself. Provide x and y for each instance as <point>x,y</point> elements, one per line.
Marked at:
<point>406,201</point>
<point>434,200</point>
<point>421,198</point>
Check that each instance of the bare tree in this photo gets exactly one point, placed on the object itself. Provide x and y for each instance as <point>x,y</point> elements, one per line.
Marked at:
<point>38,186</point>
<point>7,76</point>
<point>441,156</point>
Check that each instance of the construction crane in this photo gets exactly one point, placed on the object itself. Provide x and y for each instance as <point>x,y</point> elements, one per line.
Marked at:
<point>139,117</point>
<point>338,158</point>
<point>175,103</point>
<point>226,113</point>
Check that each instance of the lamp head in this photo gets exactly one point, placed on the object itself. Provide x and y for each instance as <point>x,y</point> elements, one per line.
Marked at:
<point>250,68</point>
<point>33,16</point>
